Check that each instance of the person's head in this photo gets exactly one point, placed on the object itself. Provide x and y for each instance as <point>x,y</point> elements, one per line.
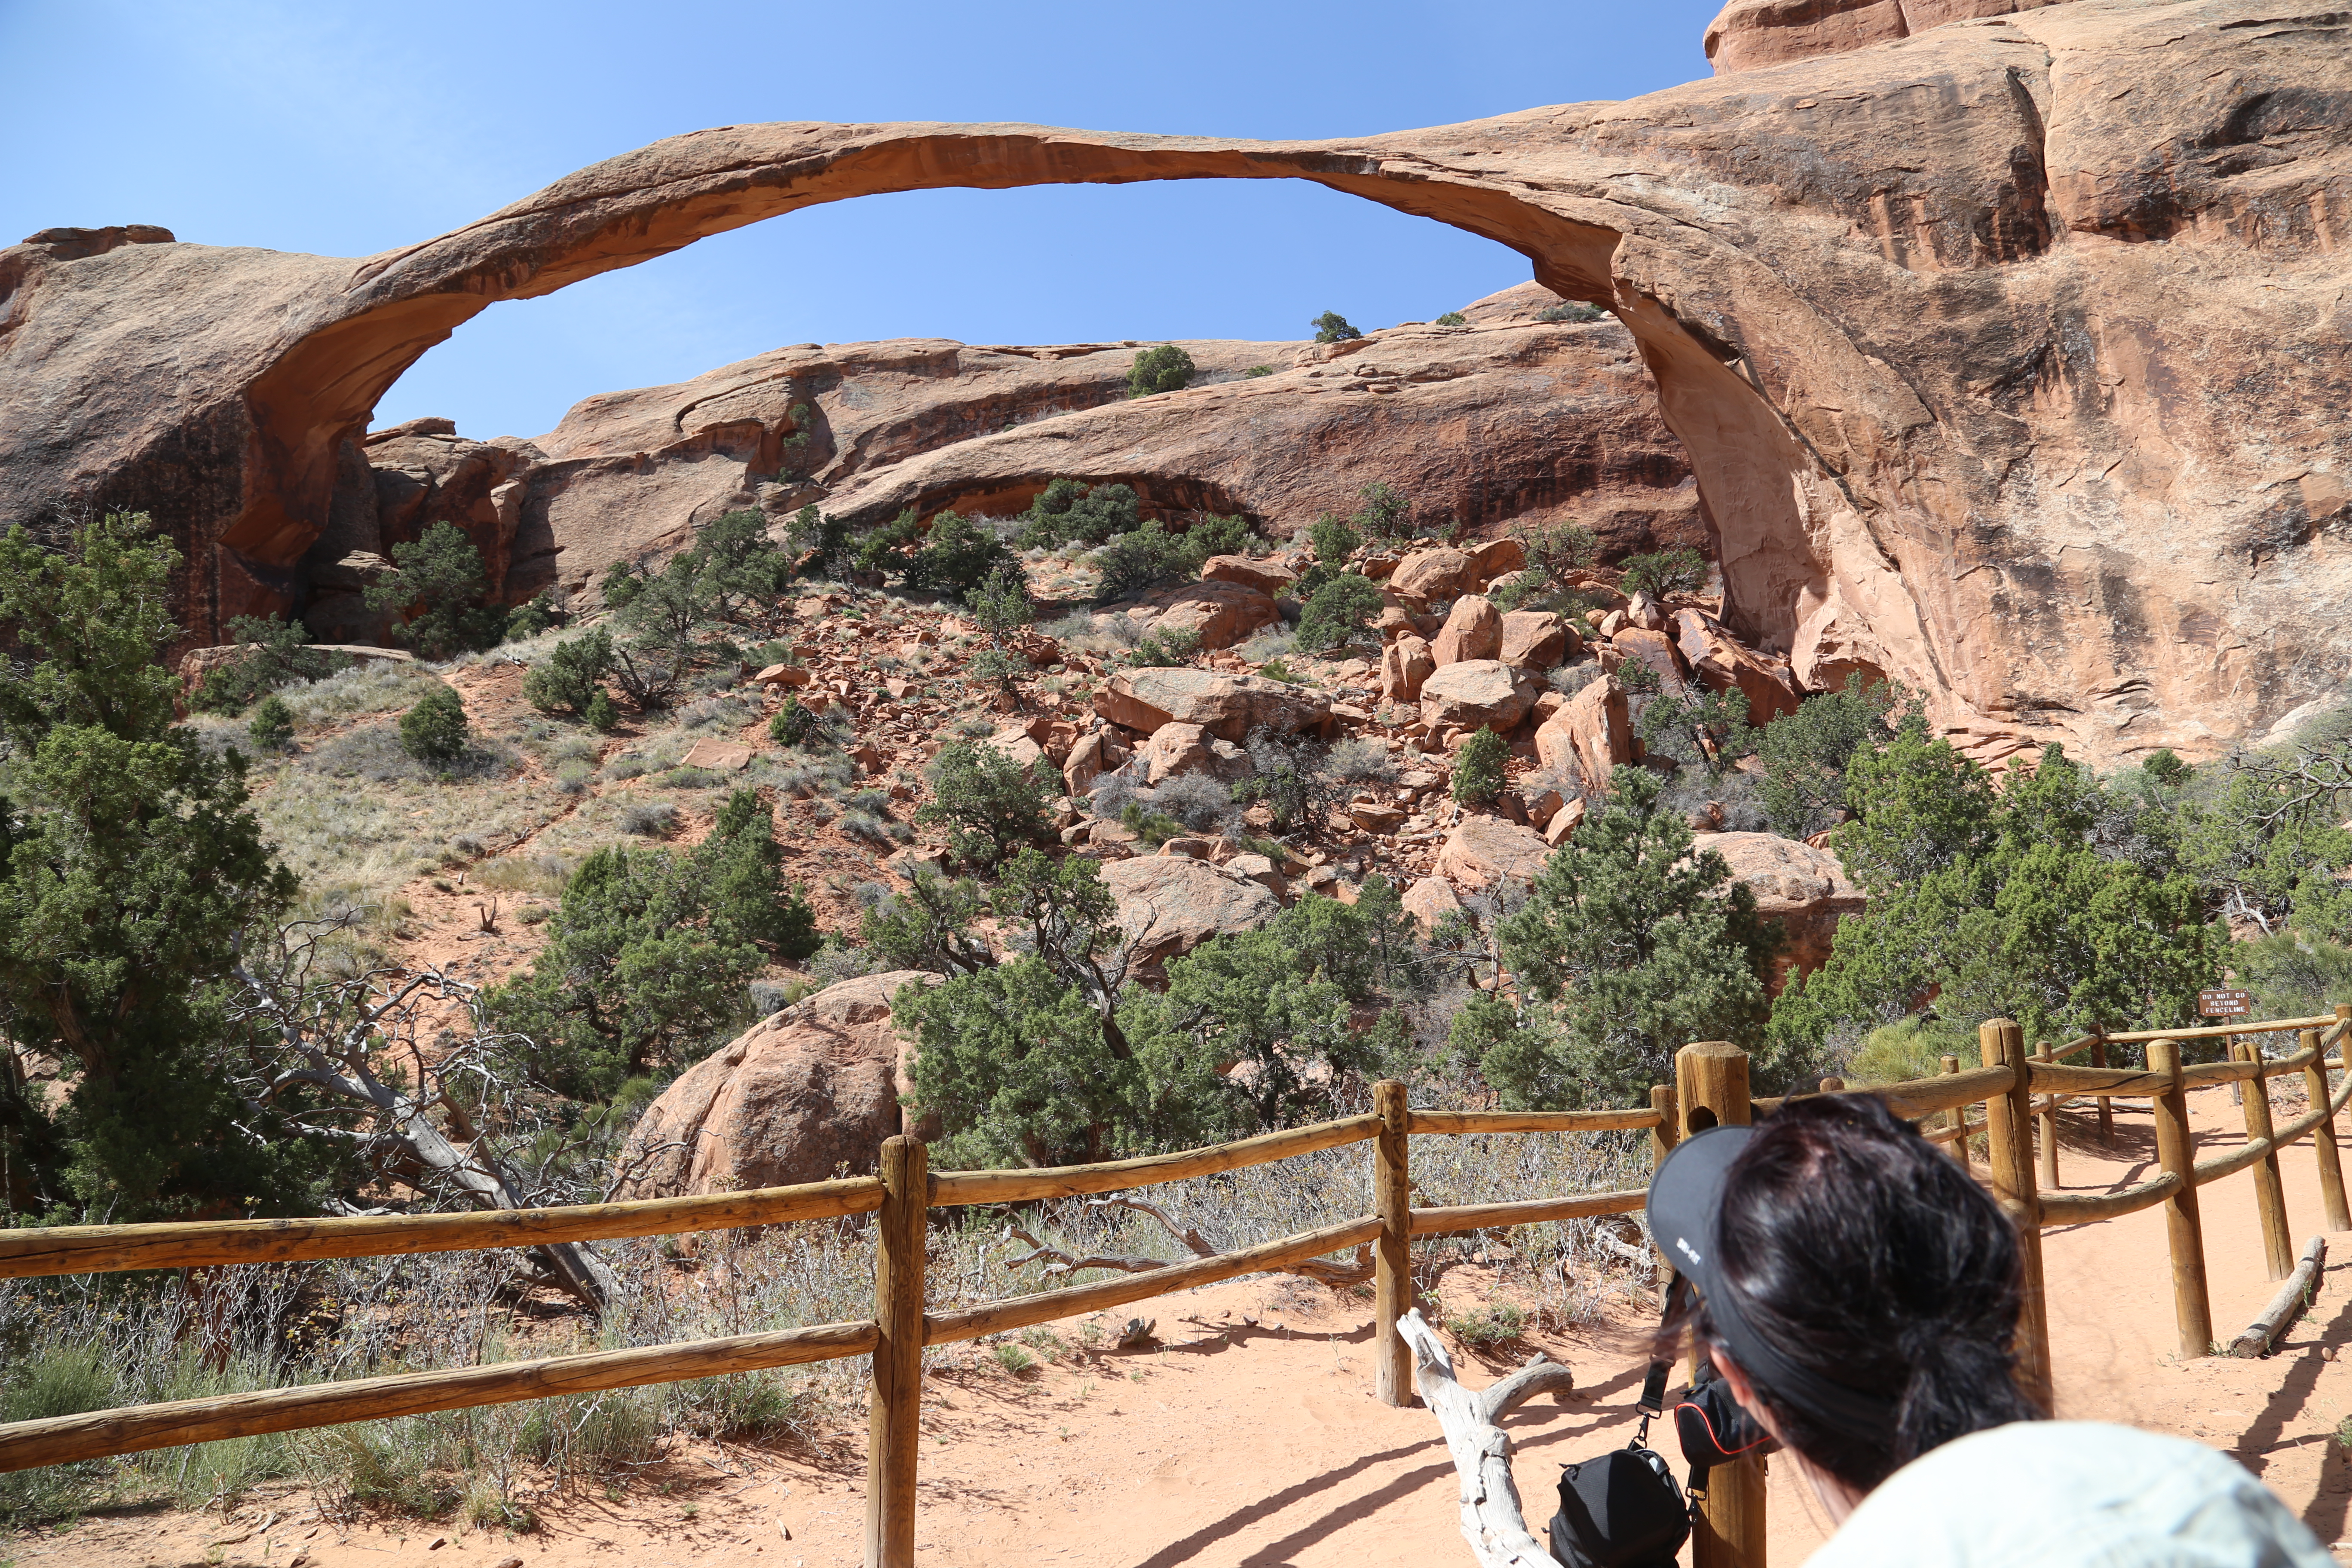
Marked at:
<point>1860,1288</point>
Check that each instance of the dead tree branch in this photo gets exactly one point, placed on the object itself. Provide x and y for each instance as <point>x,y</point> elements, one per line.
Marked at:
<point>1060,1261</point>
<point>1493,1521</point>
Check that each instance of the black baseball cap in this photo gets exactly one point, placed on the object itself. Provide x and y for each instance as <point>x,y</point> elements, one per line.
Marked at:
<point>1685,1209</point>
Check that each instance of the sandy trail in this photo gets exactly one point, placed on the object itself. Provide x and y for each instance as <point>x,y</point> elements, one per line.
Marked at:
<point>1258,1444</point>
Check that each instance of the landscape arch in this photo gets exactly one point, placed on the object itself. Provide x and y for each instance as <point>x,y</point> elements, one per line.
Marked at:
<point>1996,374</point>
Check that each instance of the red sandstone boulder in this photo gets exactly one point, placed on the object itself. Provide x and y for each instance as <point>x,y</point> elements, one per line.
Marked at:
<point>1652,650</point>
<point>1170,904</point>
<point>1227,705</point>
<point>1804,888</point>
<point>1430,900</point>
<point>1222,612</point>
<point>1438,574</point>
<point>797,1095</point>
<point>1267,576</point>
<point>1175,749</point>
<point>1495,558</point>
<point>1593,735</point>
<point>1533,639</point>
<point>1720,663</point>
<point>1484,850</point>
<point>1478,693</point>
<point>1404,665</point>
<point>1473,630</point>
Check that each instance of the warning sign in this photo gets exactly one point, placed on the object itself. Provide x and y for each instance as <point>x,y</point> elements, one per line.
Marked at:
<point>2225,1004</point>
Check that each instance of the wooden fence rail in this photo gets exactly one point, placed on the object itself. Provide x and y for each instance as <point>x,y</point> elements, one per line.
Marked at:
<point>1711,1089</point>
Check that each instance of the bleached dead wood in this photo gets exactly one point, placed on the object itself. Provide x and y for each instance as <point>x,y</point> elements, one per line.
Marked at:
<point>1492,1520</point>
<point>2293,1297</point>
<point>1061,1261</point>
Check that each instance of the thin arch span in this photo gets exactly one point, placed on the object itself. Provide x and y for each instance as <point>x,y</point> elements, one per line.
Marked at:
<point>1759,483</point>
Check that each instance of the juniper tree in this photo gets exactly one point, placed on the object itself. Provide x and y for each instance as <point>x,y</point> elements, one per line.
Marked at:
<point>130,864</point>
<point>1637,946</point>
<point>435,589</point>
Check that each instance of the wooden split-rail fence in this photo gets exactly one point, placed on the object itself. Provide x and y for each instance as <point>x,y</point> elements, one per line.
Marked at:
<point>2016,1090</point>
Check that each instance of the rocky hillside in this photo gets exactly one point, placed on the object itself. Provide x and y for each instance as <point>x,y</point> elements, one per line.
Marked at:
<point>1509,418</point>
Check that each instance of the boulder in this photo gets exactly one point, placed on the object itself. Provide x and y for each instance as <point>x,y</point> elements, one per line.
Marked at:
<point>793,1098</point>
<point>1833,645</point>
<point>1652,650</point>
<point>1645,614</point>
<point>1227,705</point>
<point>1804,888</point>
<point>1437,574</point>
<point>1720,663</point>
<point>721,756</point>
<point>1484,850</point>
<point>1269,577</point>
<point>1222,614</point>
<point>199,662</point>
<point>1429,900</point>
<point>1170,904</point>
<point>1480,692</point>
<point>1404,665</point>
<point>1176,749</point>
<point>1533,640</point>
<point>1473,630</point>
<point>1495,558</point>
<point>1019,746</point>
<point>1564,821</point>
<point>1593,735</point>
<point>1086,765</point>
<point>1260,870</point>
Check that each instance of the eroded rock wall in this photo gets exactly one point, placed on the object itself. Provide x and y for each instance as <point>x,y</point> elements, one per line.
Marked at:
<point>2009,355</point>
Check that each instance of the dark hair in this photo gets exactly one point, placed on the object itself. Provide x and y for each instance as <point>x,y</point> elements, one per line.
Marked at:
<point>1869,1259</point>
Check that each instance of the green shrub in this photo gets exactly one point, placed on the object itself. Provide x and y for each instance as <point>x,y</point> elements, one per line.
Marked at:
<point>1336,611</point>
<point>1479,768</point>
<point>436,588</point>
<point>1331,327</point>
<point>957,556</point>
<point>278,654</point>
<point>1386,513</point>
<point>435,730</point>
<point>1570,311</point>
<point>1680,569</point>
<point>272,728</point>
<point>990,804</point>
<point>1334,540</point>
<point>569,678</point>
<point>1177,646</point>
<point>1166,368</point>
<point>1806,753</point>
<point>1453,319</point>
<point>1499,1324</point>
<point>528,620</point>
<point>602,715</point>
<point>1255,371</point>
<point>1070,513</point>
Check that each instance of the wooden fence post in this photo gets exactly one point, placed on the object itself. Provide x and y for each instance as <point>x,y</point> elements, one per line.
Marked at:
<point>2049,1120</point>
<point>1663,1137</point>
<point>895,1410</point>
<point>1711,1091</point>
<point>2270,1195</point>
<point>1958,1147</point>
<point>1392,1266</point>
<point>2323,1137</point>
<point>2009,1132</point>
<point>2107,1105</point>
<point>2184,1227</point>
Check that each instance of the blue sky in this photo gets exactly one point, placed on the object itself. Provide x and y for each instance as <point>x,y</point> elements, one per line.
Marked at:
<point>345,130</point>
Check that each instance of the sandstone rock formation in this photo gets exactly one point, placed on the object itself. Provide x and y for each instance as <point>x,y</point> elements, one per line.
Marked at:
<point>1227,705</point>
<point>1954,328</point>
<point>1219,613</point>
<point>1804,888</point>
<point>799,1093</point>
<point>1479,693</point>
<point>1474,630</point>
<point>1170,904</point>
<point>1481,851</point>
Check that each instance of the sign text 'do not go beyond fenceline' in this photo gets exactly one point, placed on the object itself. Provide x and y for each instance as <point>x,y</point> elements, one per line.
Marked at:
<point>2225,1004</point>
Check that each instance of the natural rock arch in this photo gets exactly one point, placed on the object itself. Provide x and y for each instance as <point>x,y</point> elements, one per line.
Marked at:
<point>1952,417</point>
